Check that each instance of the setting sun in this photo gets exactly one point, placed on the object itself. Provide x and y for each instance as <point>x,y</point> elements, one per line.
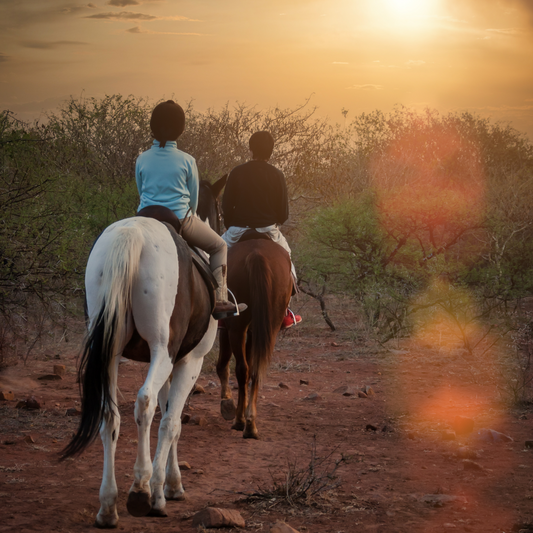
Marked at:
<point>411,8</point>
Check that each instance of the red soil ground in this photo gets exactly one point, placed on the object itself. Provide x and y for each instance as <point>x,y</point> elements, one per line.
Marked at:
<point>400,474</point>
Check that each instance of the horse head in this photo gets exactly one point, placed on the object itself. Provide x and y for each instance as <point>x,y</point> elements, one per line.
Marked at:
<point>209,203</point>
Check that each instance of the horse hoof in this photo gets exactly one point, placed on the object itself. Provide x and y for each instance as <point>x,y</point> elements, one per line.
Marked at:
<point>111,525</point>
<point>175,495</point>
<point>106,521</point>
<point>250,431</point>
<point>161,513</point>
<point>238,426</point>
<point>105,526</point>
<point>227,409</point>
<point>138,503</point>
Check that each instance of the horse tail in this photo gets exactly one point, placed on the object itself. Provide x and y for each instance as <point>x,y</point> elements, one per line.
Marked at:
<point>106,336</point>
<point>263,334</point>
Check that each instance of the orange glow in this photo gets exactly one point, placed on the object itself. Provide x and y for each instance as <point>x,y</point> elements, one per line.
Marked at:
<point>431,188</point>
<point>449,402</point>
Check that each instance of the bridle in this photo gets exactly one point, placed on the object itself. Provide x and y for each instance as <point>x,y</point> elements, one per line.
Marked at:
<point>218,211</point>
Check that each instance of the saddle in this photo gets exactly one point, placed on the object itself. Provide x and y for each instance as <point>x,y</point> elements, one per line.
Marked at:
<point>199,258</point>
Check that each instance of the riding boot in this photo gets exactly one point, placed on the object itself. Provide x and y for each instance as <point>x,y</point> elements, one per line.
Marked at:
<point>224,308</point>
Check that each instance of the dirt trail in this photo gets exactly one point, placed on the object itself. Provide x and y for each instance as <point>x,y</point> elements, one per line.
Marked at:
<point>401,473</point>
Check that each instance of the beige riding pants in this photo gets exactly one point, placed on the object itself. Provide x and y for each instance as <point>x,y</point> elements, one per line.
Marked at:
<point>199,234</point>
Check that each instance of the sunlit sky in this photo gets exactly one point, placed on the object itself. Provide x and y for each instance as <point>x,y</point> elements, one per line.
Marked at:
<point>360,55</point>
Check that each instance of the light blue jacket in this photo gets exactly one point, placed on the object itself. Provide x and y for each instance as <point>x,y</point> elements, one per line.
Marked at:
<point>169,177</point>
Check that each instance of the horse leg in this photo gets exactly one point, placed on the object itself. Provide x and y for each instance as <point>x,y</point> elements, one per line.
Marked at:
<point>160,368</point>
<point>107,516</point>
<point>173,488</point>
<point>227,405</point>
<point>250,430</point>
<point>184,376</point>
<point>238,342</point>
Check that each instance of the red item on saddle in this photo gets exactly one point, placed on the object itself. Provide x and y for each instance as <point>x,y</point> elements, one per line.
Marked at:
<point>290,320</point>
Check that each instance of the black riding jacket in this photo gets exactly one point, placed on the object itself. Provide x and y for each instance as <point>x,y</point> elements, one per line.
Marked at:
<point>255,196</point>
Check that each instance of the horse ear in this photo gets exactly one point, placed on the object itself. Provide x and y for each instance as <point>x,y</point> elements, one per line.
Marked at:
<point>219,185</point>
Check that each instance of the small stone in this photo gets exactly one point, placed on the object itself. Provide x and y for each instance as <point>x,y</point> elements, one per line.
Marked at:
<point>29,439</point>
<point>463,425</point>
<point>471,465</point>
<point>7,395</point>
<point>361,394</point>
<point>60,370</point>
<point>466,453</point>
<point>283,386</point>
<point>198,389</point>
<point>304,382</point>
<point>341,390</point>
<point>198,420</point>
<point>282,527</point>
<point>447,435</point>
<point>490,435</point>
<point>199,472</point>
<point>369,391</point>
<point>184,465</point>
<point>50,377</point>
<point>529,444</point>
<point>348,393</point>
<point>439,500</point>
<point>371,427</point>
<point>29,403</point>
<point>217,518</point>
<point>185,418</point>
<point>314,396</point>
<point>73,412</point>
<point>334,344</point>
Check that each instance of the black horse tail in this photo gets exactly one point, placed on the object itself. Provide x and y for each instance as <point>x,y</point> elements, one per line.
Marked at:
<point>262,328</point>
<point>107,335</point>
<point>94,379</point>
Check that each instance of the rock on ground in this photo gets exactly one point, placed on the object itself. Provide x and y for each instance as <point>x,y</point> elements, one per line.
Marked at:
<point>215,517</point>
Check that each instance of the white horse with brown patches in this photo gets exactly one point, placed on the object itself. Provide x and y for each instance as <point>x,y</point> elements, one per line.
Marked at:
<point>146,301</point>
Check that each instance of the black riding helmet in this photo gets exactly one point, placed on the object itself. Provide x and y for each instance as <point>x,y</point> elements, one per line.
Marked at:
<point>261,144</point>
<point>167,122</point>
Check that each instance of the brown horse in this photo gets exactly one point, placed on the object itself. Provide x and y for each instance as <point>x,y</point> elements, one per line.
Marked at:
<point>259,274</point>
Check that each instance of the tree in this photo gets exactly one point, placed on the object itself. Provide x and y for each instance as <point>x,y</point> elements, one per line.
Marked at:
<point>447,198</point>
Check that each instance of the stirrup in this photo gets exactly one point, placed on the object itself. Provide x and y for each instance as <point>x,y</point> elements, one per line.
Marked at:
<point>235,303</point>
<point>230,314</point>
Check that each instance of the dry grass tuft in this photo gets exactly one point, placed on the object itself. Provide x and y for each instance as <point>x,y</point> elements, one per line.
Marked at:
<point>302,486</point>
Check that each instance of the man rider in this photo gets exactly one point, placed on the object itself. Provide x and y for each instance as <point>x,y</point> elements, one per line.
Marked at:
<point>256,197</point>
